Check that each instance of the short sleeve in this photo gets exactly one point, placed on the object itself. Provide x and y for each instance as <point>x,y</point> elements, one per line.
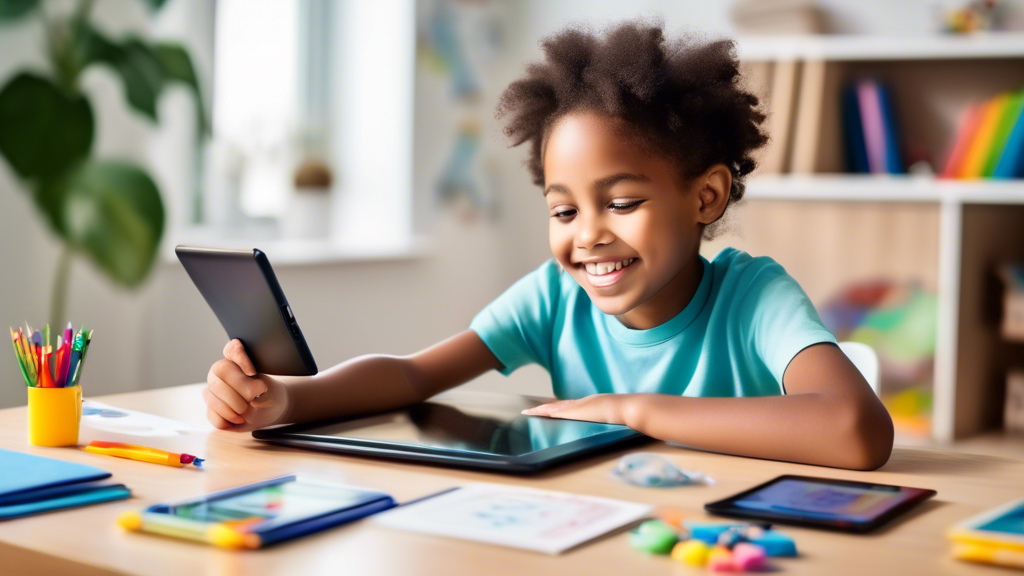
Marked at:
<point>783,321</point>
<point>517,326</point>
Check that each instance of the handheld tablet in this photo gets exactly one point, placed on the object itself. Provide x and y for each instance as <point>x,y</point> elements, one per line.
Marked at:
<point>842,505</point>
<point>242,290</point>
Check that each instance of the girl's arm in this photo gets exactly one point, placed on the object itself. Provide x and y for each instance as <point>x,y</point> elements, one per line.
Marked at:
<point>362,385</point>
<point>829,416</point>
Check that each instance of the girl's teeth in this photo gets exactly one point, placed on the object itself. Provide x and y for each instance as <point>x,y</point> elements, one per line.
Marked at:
<point>603,268</point>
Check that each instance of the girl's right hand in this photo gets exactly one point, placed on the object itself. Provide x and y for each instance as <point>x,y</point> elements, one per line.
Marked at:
<point>232,388</point>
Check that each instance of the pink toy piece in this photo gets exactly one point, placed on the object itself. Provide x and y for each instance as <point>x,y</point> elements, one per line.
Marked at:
<point>749,557</point>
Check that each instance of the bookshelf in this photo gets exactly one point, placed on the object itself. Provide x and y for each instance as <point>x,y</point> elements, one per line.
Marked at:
<point>829,227</point>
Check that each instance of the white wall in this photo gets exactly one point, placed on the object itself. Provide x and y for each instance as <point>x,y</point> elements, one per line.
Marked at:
<point>164,334</point>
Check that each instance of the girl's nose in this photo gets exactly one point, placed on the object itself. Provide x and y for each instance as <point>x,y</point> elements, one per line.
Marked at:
<point>591,231</point>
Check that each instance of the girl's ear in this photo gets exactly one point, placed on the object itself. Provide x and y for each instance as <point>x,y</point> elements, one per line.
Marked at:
<point>713,191</point>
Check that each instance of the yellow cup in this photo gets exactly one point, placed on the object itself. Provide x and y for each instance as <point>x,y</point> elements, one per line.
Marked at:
<point>54,415</point>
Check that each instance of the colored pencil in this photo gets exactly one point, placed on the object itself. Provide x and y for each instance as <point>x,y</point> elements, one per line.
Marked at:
<point>17,354</point>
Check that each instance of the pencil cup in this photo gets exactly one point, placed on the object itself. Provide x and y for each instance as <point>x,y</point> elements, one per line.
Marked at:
<point>54,415</point>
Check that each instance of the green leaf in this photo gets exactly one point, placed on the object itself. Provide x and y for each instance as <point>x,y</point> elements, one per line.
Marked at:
<point>155,5</point>
<point>43,129</point>
<point>177,67</point>
<point>143,79</point>
<point>111,211</point>
<point>13,9</point>
<point>134,61</point>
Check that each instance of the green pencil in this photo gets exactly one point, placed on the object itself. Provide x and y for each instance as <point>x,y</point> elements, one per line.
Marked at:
<point>21,362</point>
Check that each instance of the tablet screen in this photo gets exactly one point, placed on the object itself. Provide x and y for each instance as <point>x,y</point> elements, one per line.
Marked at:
<point>287,501</point>
<point>825,501</point>
<point>1011,522</point>
<point>467,421</point>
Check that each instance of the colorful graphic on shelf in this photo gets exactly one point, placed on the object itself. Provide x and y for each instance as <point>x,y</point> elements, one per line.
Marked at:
<point>900,322</point>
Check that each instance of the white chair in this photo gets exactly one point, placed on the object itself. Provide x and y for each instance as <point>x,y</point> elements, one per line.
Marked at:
<point>865,359</point>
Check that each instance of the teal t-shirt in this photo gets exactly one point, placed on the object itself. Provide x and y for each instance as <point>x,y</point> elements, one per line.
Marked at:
<point>736,337</point>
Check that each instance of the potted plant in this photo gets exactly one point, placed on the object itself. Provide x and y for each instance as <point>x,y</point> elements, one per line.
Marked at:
<point>107,210</point>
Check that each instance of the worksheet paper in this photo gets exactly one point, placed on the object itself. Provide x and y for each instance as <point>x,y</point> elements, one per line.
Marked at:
<point>111,419</point>
<point>540,520</point>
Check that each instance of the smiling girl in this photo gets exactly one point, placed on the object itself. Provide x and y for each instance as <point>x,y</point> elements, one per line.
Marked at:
<point>639,146</point>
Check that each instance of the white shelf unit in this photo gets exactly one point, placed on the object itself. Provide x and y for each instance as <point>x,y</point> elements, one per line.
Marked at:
<point>980,222</point>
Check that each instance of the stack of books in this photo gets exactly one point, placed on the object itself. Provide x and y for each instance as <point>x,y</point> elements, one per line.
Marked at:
<point>32,484</point>
<point>870,130</point>
<point>990,140</point>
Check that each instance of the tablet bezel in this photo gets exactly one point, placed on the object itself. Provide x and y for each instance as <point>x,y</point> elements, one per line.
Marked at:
<point>724,507</point>
<point>531,462</point>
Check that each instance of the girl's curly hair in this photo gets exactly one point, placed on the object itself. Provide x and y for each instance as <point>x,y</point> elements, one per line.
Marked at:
<point>683,98</point>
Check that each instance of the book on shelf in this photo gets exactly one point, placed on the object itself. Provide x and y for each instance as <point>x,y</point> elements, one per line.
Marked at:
<point>977,153</point>
<point>989,140</point>
<point>1010,112</point>
<point>1011,158</point>
<point>970,118</point>
<point>870,129</point>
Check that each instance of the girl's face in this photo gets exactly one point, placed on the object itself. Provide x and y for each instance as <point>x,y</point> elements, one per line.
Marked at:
<point>623,223</point>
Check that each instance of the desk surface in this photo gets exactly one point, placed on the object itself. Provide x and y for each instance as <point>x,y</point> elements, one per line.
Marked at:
<point>87,540</point>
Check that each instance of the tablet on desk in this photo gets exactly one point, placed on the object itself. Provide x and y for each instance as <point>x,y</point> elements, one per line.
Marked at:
<point>1000,528</point>
<point>460,428</point>
<point>242,290</point>
<point>842,505</point>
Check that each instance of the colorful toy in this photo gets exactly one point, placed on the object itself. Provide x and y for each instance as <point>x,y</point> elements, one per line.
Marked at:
<point>654,536</point>
<point>774,543</point>
<point>749,557</point>
<point>673,518</point>
<point>692,552</point>
<point>720,560</point>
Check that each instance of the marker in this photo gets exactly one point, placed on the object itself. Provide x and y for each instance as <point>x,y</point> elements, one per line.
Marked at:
<point>76,357</point>
<point>142,453</point>
<point>46,381</point>
<point>67,333</point>
<point>81,361</point>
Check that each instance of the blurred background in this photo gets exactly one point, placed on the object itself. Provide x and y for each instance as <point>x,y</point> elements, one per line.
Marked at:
<point>354,142</point>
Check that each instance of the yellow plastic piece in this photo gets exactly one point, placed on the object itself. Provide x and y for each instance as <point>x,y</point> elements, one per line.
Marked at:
<point>692,552</point>
<point>130,520</point>
<point>54,415</point>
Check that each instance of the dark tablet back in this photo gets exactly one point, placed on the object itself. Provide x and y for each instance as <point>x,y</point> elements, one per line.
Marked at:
<point>242,290</point>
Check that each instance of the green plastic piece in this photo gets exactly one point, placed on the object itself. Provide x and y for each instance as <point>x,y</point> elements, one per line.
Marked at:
<point>654,536</point>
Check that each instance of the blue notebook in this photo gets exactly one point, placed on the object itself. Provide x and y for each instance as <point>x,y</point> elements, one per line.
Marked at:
<point>31,484</point>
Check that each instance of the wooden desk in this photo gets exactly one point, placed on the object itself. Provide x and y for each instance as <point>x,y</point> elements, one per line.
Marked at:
<point>87,540</point>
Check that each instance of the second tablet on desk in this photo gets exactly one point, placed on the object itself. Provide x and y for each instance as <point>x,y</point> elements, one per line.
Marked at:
<point>842,505</point>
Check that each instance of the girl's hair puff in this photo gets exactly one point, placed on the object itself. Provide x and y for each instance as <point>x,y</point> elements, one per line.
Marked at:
<point>682,98</point>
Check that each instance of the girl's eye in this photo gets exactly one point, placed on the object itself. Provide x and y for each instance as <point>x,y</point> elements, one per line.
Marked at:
<point>626,205</point>
<point>563,214</point>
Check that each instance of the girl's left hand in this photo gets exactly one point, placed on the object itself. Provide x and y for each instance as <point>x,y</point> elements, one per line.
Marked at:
<point>604,408</point>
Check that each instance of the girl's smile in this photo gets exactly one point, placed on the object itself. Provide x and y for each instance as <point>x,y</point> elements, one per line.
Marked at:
<point>603,274</point>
